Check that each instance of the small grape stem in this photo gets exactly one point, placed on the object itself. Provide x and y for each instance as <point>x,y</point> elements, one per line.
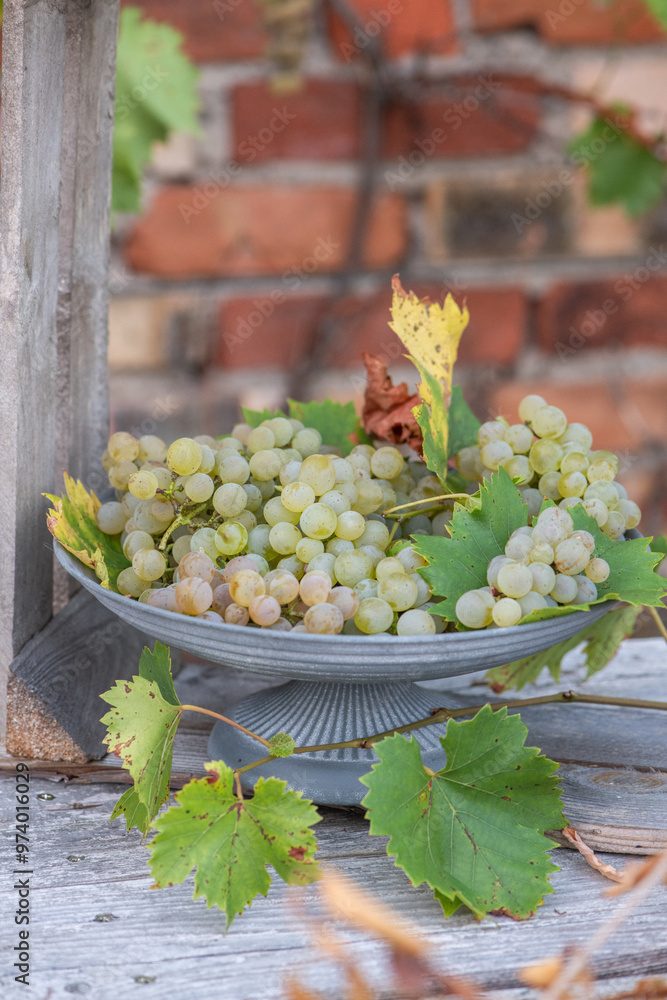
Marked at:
<point>239,790</point>
<point>658,621</point>
<point>429,500</point>
<point>223,718</point>
<point>179,522</point>
<point>256,763</point>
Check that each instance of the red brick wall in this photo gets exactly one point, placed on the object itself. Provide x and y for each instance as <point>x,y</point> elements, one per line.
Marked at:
<point>248,254</point>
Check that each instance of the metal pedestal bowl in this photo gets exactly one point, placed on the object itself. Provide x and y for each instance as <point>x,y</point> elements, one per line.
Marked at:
<point>338,687</point>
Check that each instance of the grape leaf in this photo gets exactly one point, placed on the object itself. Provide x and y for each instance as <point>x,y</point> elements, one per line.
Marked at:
<point>474,830</point>
<point>255,417</point>
<point>335,422</point>
<point>659,544</point>
<point>141,730</point>
<point>625,171</point>
<point>602,639</point>
<point>431,333</point>
<point>659,10</point>
<point>459,563</point>
<point>72,521</point>
<point>463,424</point>
<point>156,94</point>
<point>231,841</point>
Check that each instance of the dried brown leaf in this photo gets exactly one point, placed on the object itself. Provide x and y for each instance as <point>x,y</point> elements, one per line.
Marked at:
<point>387,411</point>
<point>542,974</point>
<point>586,852</point>
<point>636,873</point>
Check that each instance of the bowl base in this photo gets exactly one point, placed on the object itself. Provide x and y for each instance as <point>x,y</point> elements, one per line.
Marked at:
<point>316,713</point>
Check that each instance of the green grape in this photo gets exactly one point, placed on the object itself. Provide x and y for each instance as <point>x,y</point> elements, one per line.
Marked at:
<point>283,586</point>
<point>315,587</point>
<point>181,548</point>
<point>492,430</point>
<point>369,496</point>
<point>597,570</point>
<point>284,538</point>
<point>586,590</point>
<point>544,578</point>
<point>307,440</point>
<point>236,614</point>
<point>631,512</point>
<point>196,563</point>
<point>366,588</point>
<point>604,491</point>
<point>399,591</point>
<point>375,554</point>
<point>308,548</point>
<point>574,461</point>
<point>346,600</point>
<point>533,601</point>
<point>145,521</point>
<point>260,439</point>
<point>541,552</point>
<point>325,562</point>
<point>199,487</point>
<point>548,422</point>
<point>386,463</point>
<point>375,533</point>
<point>514,579</point>
<point>351,567</point>
<point>289,473</point>
<point>337,545</point>
<point>545,456</point>
<point>291,564</point>
<point>374,616</point>
<point>208,459</point>
<point>410,559</point>
<point>165,598</point>
<point>350,525</point>
<point>469,463</point>
<point>162,510</point>
<point>533,500</point>
<point>606,456</point>
<point>349,491</point>
<point>614,527</point>
<point>231,538</point>
<point>275,511</point>
<point>519,438</point>
<point>149,564</point>
<point>246,518</point>
<point>241,432</point>
<point>120,475</point>
<point>184,456</point>
<point>507,612</point>
<point>597,509</point>
<point>324,619</point>
<point>143,485</point>
<point>245,585</point>
<point>258,540</point>
<point>519,468</point>
<point>548,485</point>
<point>317,521</point>
<point>389,565</point>
<point>573,484</point>
<point>495,452</point>
<point>519,547</point>
<point>296,496</point>
<point>129,584</point>
<point>282,430</point>
<point>577,434</point>
<point>122,447</point>
<point>600,470</point>
<point>474,608</point>
<point>230,443</point>
<point>253,498</point>
<point>111,518</point>
<point>151,448</point>
<point>564,590</point>
<point>415,622</point>
<point>319,472</point>
<point>230,499</point>
<point>203,540</point>
<point>264,465</point>
<point>343,469</point>
<point>137,540</point>
<point>193,595</point>
<point>260,564</point>
<point>529,406</point>
<point>233,468</point>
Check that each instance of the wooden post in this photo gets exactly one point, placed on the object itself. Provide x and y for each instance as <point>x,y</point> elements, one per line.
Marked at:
<point>57,123</point>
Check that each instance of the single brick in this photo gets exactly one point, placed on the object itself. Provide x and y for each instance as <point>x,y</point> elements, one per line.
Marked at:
<point>484,115</point>
<point>402,27</point>
<point>268,330</point>
<point>213,30</point>
<point>320,121</point>
<point>626,311</point>
<point>571,22</point>
<point>212,230</point>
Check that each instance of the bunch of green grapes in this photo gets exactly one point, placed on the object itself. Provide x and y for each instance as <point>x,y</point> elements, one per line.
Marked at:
<point>547,457</point>
<point>543,566</point>
<point>266,527</point>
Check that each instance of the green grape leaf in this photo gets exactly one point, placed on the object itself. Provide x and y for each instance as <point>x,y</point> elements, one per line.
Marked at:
<point>232,841</point>
<point>156,94</point>
<point>335,422</point>
<point>432,419</point>
<point>659,544</point>
<point>625,171</point>
<point>255,417</point>
<point>474,830</point>
<point>602,639</point>
<point>463,425</point>
<point>141,729</point>
<point>73,523</point>
<point>459,563</point>
<point>132,808</point>
<point>659,10</point>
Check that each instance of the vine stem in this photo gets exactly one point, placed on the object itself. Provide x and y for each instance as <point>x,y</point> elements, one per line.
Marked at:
<point>179,522</point>
<point>431,500</point>
<point>223,718</point>
<point>659,623</point>
<point>442,714</point>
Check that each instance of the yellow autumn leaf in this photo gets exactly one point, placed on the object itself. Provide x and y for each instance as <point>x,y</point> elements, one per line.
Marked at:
<point>431,333</point>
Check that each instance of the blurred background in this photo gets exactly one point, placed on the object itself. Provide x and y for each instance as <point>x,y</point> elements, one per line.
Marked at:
<point>506,151</point>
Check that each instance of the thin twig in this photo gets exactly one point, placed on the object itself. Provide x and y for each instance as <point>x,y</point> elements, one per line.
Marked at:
<point>223,718</point>
<point>658,621</point>
<point>431,500</point>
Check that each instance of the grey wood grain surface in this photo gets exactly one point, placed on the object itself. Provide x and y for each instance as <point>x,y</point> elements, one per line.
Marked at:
<point>164,945</point>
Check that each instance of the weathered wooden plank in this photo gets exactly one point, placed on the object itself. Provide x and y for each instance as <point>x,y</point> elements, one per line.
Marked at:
<point>32,111</point>
<point>67,665</point>
<point>177,941</point>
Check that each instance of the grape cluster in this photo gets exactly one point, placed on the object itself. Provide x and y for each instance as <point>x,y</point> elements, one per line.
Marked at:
<point>266,527</point>
<point>543,566</point>
<point>547,457</point>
